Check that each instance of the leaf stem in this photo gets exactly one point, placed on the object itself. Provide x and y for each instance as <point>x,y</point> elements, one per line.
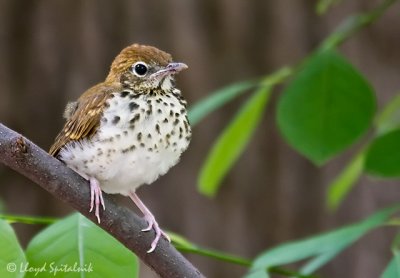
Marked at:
<point>353,24</point>
<point>215,255</point>
<point>28,219</point>
<point>236,260</point>
<point>288,273</point>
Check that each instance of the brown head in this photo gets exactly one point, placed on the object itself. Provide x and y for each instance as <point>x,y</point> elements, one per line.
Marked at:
<point>142,67</point>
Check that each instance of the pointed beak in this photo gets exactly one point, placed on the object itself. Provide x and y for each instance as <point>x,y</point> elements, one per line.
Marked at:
<point>176,67</point>
<point>171,68</point>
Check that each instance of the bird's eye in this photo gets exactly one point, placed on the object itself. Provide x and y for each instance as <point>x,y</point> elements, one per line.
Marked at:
<point>140,69</point>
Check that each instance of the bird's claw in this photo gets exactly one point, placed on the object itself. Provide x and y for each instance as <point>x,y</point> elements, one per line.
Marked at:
<point>152,224</point>
<point>96,198</point>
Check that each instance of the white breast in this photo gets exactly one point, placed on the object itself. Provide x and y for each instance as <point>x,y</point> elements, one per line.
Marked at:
<point>138,140</point>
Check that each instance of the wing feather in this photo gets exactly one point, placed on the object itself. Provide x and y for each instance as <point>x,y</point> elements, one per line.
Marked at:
<point>84,122</point>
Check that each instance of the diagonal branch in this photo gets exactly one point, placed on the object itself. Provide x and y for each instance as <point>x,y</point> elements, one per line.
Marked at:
<point>31,161</point>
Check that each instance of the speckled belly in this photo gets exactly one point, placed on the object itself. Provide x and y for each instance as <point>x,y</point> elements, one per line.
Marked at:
<point>139,139</point>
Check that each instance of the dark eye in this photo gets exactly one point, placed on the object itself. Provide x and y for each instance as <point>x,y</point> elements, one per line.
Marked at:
<point>140,69</point>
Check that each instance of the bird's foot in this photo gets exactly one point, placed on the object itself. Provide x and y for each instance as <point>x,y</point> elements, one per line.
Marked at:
<point>96,197</point>
<point>151,221</point>
<point>154,225</point>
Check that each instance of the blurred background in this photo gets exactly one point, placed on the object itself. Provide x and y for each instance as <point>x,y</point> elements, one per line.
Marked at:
<point>52,51</point>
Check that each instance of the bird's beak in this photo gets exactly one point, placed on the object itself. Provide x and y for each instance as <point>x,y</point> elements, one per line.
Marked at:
<point>176,67</point>
<point>171,68</point>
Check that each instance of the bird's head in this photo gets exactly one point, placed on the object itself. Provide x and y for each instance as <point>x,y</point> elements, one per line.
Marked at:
<point>142,68</point>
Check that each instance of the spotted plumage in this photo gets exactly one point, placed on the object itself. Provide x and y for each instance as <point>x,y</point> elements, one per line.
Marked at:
<point>128,130</point>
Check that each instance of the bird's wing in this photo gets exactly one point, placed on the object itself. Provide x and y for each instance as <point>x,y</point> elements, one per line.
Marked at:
<point>85,120</point>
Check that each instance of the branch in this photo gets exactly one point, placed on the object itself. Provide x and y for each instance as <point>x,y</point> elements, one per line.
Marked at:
<point>31,161</point>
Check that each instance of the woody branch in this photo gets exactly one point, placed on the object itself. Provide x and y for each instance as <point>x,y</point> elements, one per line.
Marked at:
<point>26,158</point>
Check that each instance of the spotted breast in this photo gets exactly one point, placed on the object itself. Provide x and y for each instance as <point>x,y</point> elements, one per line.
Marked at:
<point>141,135</point>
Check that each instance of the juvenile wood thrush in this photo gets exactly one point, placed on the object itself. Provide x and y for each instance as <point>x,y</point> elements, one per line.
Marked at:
<point>127,130</point>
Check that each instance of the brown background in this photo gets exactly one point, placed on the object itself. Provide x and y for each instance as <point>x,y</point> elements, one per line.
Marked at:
<point>51,51</point>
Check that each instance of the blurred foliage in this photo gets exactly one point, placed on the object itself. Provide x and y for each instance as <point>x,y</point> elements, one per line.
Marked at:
<point>203,108</point>
<point>383,156</point>
<point>345,181</point>
<point>233,140</point>
<point>393,269</point>
<point>321,248</point>
<point>11,253</point>
<point>28,219</point>
<point>389,118</point>
<point>322,112</point>
<point>385,122</point>
<point>323,6</point>
<point>326,107</point>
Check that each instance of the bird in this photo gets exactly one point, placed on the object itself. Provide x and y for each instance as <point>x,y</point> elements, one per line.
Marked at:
<point>128,130</point>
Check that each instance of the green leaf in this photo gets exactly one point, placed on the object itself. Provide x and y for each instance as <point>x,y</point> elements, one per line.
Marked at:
<point>393,269</point>
<point>258,274</point>
<point>326,108</point>
<point>324,5</point>
<point>76,242</point>
<point>231,143</point>
<point>319,261</point>
<point>326,244</point>
<point>389,118</point>
<point>217,99</point>
<point>11,254</point>
<point>396,252</point>
<point>383,156</point>
<point>343,183</point>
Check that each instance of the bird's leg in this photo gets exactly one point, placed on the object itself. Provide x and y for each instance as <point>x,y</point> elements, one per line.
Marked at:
<point>96,197</point>
<point>149,217</point>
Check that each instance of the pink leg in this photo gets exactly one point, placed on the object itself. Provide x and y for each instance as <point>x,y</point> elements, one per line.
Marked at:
<point>149,217</point>
<point>96,197</point>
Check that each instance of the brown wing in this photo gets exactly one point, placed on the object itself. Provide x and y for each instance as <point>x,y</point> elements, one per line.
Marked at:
<point>85,120</point>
